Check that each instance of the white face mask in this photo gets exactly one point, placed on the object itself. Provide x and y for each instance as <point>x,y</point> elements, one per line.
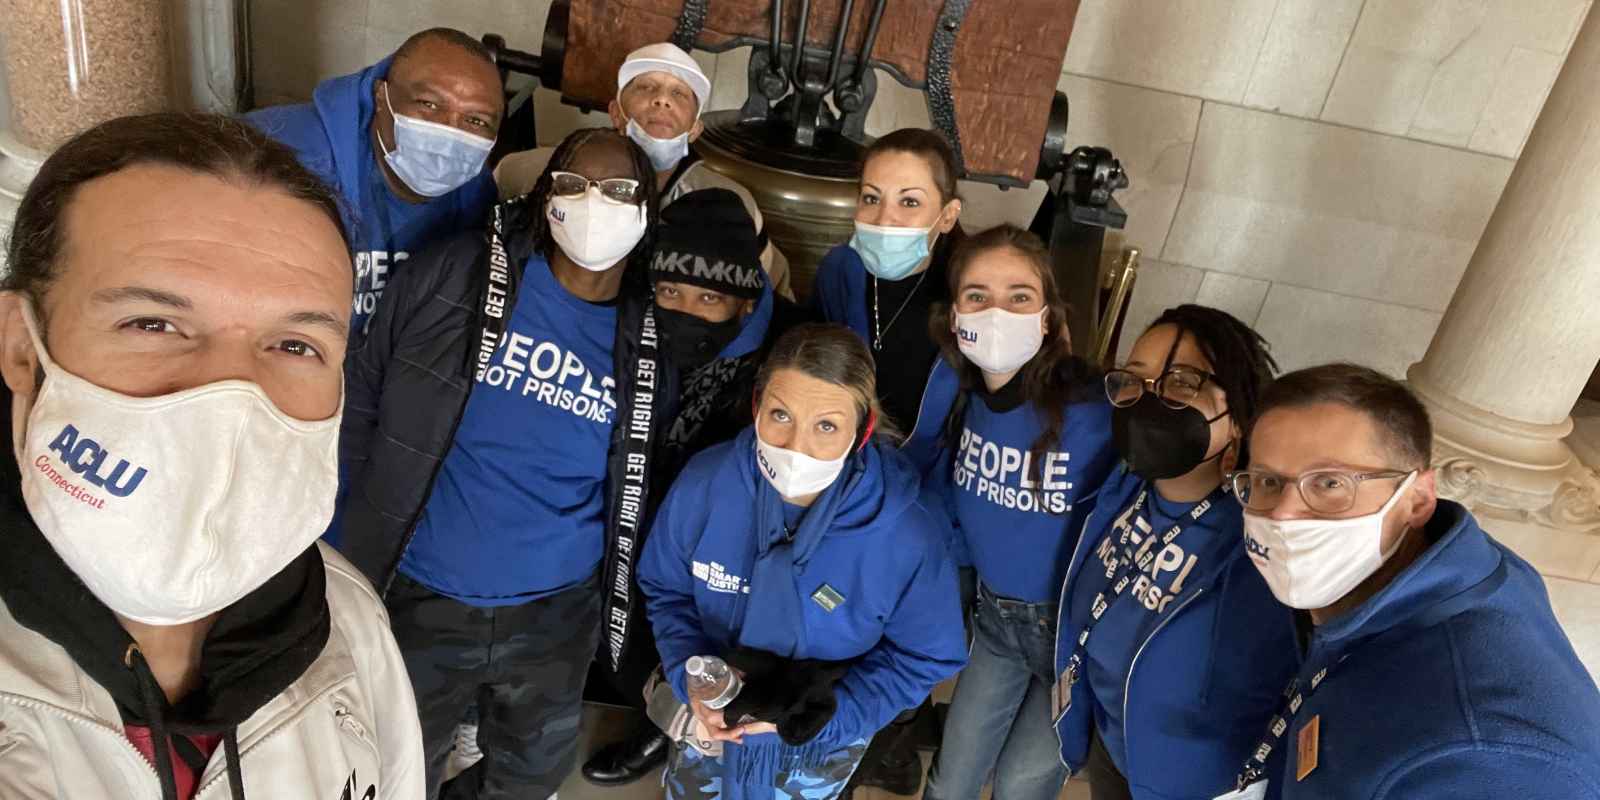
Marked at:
<point>796,474</point>
<point>1311,563</point>
<point>172,508</point>
<point>664,153</point>
<point>999,341</point>
<point>595,232</point>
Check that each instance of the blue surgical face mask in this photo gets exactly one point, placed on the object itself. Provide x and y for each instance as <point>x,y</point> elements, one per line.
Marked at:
<point>430,158</point>
<point>890,253</point>
<point>664,153</point>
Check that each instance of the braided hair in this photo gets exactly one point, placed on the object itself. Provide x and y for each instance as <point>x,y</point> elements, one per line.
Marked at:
<point>1240,362</point>
<point>638,267</point>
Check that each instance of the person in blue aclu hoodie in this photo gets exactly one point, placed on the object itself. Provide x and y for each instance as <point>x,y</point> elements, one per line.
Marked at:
<point>404,143</point>
<point>1031,444</point>
<point>1171,651</point>
<point>800,553</point>
<point>885,280</point>
<point>483,439</point>
<point>1435,666</point>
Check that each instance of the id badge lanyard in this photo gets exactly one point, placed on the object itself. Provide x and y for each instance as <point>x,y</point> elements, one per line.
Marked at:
<point>1252,780</point>
<point>1120,571</point>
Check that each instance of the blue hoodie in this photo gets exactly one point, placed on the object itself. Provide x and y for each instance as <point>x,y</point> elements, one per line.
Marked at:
<point>332,137</point>
<point>1455,680</point>
<point>882,556</point>
<point>1182,671</point>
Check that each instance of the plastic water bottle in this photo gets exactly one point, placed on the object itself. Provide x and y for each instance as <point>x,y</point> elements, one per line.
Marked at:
<point>712,681</point>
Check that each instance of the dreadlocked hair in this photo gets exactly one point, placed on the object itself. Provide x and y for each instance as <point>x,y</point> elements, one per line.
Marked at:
<point>636,273</point>
<point>1241,363</point>
<point>1052,379</point>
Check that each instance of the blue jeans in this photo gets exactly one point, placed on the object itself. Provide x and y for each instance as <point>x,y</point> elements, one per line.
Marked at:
<point>1000,718</point>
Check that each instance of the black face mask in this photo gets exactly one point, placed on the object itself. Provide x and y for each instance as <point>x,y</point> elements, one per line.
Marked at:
<point>691,342</point>
<point>1160,442</point>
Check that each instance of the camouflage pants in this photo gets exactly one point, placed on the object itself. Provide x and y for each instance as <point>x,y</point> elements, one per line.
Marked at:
<point>524,667</point>
<point>692,776</point>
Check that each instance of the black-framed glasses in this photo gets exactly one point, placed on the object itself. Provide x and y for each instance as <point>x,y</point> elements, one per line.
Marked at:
<point>1176,388</point>
<point>617,190</point>
<point>1324,491</point>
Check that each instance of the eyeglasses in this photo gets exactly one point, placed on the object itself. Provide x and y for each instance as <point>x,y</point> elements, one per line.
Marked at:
<point>1324,491</point>
<point>617,190</point>
<point>1177,387</point>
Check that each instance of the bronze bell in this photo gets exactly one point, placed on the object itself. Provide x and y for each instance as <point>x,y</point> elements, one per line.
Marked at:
<point>808,203</point>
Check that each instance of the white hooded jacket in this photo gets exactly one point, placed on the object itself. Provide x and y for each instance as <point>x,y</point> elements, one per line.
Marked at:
<point>345,730</point>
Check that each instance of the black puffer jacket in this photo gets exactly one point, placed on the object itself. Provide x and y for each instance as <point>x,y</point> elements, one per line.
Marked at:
<point>407,387</point>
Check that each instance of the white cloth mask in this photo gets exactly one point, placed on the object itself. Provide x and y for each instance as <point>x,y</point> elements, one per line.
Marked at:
<point>664,153</point>
<point>999,341</point>
<point>595,232</point>
<point>795,474</point>
<point>1312,563</point>
<point>172,508</point>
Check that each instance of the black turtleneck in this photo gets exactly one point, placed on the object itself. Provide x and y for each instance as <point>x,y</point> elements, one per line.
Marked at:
<point>908,350</point>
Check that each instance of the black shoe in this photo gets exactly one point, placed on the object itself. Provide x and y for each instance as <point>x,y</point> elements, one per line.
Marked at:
<point>628,760</point>
<point>902,777</point>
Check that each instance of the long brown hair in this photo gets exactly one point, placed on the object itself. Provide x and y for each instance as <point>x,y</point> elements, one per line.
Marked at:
<point>1054,376</point>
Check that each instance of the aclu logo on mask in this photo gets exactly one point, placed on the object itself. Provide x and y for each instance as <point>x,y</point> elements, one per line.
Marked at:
<point>90,460</point>
<point>1254,547</point>
<point>717,580</point>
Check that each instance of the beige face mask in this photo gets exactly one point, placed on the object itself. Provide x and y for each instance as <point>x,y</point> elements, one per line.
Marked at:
<point>172,508</point>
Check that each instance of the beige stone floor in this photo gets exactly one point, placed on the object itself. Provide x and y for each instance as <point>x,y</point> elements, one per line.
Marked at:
<point>602,724</point>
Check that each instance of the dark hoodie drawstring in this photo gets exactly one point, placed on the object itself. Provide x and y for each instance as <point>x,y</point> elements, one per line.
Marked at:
<point>154,705</point>
<point>155,711</point>
<point>230,751</point>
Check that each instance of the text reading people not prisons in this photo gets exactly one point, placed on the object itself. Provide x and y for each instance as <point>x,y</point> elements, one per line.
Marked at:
<point>552,376</point>
<point>1146,588</point>
<point>1006,476</point>
<point>372,274</point>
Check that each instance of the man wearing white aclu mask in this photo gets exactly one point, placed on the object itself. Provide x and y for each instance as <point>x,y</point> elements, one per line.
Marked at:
<point>661,94</point>
<point>1435,666</point>
<point>172,332</point>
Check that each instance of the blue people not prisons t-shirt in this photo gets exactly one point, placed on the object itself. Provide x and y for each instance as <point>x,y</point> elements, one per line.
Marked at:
<point>518,508</point>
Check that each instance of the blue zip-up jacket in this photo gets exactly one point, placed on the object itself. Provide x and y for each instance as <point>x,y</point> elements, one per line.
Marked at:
<point>840,288</point>
<point>332,137</point>
<point>1182,671</point>
<point>1454,681</point>
<point>884,554</point>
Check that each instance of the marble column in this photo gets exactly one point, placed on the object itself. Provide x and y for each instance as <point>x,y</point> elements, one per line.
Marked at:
<point>70,65</point>
<point>1522,333</point>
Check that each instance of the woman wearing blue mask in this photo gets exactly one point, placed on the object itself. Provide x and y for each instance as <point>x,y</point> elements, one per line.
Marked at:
<point>800,554</point>
<point>885,280</point>
<point>1172,653</point>
<point>1030,443</point>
